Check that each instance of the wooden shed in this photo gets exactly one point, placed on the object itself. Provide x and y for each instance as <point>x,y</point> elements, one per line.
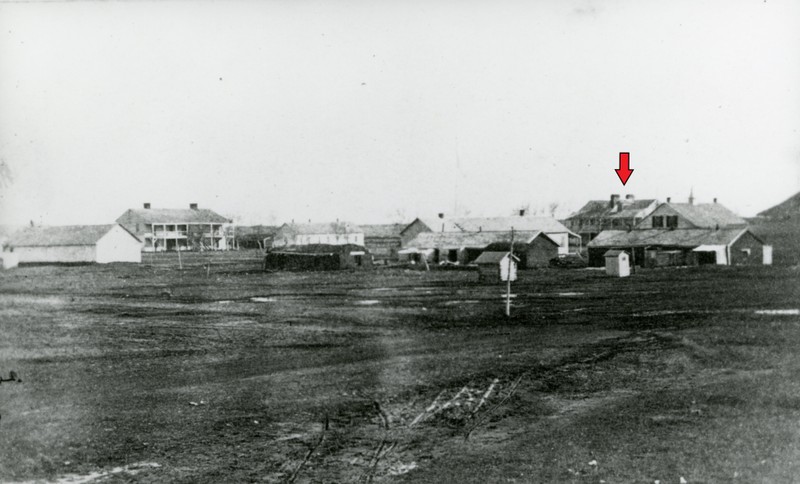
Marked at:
<point>618,263</point>
<point>496,267</point>
<point>534,251</point>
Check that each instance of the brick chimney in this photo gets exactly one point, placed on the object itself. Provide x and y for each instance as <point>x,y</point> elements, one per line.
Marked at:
<point>522,212</point>
<point>441,215</point>
<point>715,199</point>
<point>669,199</point>
<point>630,197</point>
<point>147,205</point>
<point>614,200</point>
<point>193,206</point>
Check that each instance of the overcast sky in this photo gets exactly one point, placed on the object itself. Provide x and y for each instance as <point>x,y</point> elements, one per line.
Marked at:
<point>371,110</point>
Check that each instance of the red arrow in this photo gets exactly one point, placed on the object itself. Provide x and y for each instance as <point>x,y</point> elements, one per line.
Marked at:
<point>624,172</point>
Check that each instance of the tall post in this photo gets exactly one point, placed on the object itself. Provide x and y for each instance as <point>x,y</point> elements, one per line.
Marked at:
<point>508,275</point>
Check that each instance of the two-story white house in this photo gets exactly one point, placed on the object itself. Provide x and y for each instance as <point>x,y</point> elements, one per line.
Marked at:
<point>162,229</point>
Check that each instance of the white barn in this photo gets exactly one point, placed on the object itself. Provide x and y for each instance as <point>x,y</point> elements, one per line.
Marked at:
<point>76,244</point>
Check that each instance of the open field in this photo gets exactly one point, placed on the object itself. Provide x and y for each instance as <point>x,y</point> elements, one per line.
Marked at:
<point>148,373</point>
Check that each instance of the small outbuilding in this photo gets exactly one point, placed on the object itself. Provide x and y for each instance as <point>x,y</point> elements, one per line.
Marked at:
<point>76,244</point>
<point>618,263</point>
<point>496,267</point>
<point>534,250</point>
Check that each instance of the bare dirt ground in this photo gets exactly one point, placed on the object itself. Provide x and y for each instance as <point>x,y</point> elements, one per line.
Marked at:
<point>227,374</point>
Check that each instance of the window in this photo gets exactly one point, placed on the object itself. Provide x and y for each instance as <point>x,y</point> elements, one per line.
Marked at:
<point>746,252</point>
<point>658,221</point>
<point>672,221</point>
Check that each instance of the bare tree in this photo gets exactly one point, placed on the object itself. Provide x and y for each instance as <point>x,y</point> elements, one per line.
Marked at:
<point>552,208</point>
<point>399,216</point>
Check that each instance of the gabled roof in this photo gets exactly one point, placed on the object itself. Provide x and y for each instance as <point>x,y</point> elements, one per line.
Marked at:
<point>605,235</point>
<point>436,224</point>
<point>383,230</point>
<point>708,215</point>
<point>519,243</point>
<point>472,240</point>
<point>61,235</point>
<point>495,224</point>
<point>504,224</point>
<point>171,216</point>
<point>688,238</point>
<point>493,257</point>
<point>614,253</point>
<point>323,228</point>
<point>602,208</point>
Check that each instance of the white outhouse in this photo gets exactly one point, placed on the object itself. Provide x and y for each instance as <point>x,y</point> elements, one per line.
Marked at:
<point>618,263</point>
<point>497,266</point>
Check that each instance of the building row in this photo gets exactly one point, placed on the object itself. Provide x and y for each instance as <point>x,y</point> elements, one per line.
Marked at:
<point>658,234</point>
<point>652,233</point>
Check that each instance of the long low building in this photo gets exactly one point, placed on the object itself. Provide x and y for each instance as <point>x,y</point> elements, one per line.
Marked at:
<point>318,257</point>
<point>464,247</point>
<point>567,241</point>
<point>658,247</point>
<point>76,244</point>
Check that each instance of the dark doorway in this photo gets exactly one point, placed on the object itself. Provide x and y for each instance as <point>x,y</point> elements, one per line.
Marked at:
<point>704,258</point>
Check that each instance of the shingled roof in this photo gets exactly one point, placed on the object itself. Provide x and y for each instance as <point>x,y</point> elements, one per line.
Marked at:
<point>687,238</point>
<point>61,235</point>
<point>624,208</point>
<point>473,240</point>
<point>708,215</point>
<point>383,230</point>
<point>494,257</point>
<point>171,216</point>
<point>496,224</point>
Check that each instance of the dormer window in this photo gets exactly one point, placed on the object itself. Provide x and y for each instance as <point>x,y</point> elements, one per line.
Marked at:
<point>672,221</point>
<point>658,222</point>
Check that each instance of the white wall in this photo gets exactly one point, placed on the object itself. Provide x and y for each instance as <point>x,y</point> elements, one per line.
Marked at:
<point>10,260</point>
<point>61,253</point>
<point>330,239</point>
<point>118,245</point>
<point>563,241</point>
